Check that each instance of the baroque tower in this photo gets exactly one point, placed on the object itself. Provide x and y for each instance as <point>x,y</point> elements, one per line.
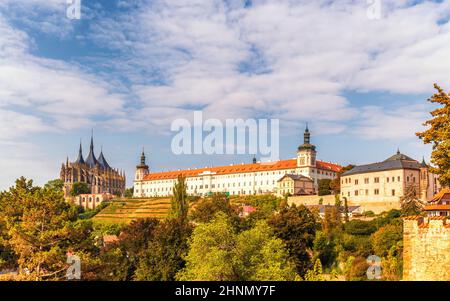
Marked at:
<point>306,154</point>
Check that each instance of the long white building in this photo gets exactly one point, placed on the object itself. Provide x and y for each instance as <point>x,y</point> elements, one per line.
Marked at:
<point>242,179</point>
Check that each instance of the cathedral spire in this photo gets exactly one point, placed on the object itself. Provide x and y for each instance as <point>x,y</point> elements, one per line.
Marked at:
<point>91,160</point>
<point>80,159</point>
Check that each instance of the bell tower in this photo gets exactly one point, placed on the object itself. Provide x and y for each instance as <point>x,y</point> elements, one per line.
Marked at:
<point>142,169</point>
<point>306,154</point>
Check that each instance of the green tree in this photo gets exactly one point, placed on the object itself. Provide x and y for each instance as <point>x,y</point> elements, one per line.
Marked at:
<point>324,187</point>
<point>79,188</point>
<point>210,255</point>
<point>410,203</point>
<point>438,136</point>
<point>129,192</point>
<point>386,237</point>
<point>180,201</point>
<point>42,227</point>
<point>260,256</point>
<point>218,252</point>
<point>206,209</point>
<point>56,184</point>
<point>164,255</point>
<point>296,226</point>
<point>316,273</point>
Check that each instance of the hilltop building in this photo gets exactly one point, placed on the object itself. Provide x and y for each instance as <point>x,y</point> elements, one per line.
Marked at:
<point>379,186</point>
<point>243,179</point>
<point>100,177</point>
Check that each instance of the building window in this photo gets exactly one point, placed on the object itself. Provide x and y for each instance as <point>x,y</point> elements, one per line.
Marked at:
<point>376,192</point>
<point>366,181</point>
<point>387,179</point>
<point>398,178</point>
<point>356,192</point>
<point>356,182</point>
<point>393,192</point>
<point>367,191</point>
<point>377,180</point>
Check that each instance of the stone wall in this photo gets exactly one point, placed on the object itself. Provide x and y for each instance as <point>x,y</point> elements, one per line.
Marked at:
<point>311,200</point>
<point>426,253</point>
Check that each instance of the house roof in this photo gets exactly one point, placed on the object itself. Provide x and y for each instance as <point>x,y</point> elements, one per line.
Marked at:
<point>294,177</point>
<point>444,193</point>
<point>437,208</point>
<point>397,161</point>
<point>243,168</point>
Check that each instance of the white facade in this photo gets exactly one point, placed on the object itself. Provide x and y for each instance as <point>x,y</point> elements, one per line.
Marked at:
<point>243,179</point>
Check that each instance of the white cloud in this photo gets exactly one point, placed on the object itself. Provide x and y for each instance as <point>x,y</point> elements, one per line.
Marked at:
<point>401,123</point>
<point>300,55</point>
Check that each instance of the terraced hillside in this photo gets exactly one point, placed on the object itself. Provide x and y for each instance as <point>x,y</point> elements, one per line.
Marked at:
<point>126,210</point>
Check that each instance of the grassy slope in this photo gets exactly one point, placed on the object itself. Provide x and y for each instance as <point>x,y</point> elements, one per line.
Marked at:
<point>125,210</point>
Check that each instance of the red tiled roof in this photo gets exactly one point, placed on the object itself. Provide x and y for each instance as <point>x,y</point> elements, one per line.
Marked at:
<point>440,195</point>
<point>243,168</point>
<point>248,209</point>
<point>437,207</point>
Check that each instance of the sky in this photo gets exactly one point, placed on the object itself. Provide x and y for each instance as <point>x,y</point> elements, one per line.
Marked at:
<point>358,72</point>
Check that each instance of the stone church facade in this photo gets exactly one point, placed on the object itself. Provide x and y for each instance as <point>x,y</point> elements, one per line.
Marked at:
<point>95,172</point>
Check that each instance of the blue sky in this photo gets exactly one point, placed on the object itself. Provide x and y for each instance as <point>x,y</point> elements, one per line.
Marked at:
<point>127,69</point>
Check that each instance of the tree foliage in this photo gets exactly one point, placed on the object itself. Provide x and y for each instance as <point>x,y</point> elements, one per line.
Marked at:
<point>180,201</point>
<point>438,135</point>
<point>218,252</point>
<point>79,188</point>
<point>410,203</point>
<point>42,228</point>
<point>296,226</point>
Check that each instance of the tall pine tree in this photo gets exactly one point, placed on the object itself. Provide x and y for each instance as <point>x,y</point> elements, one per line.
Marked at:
<point>180,202</point>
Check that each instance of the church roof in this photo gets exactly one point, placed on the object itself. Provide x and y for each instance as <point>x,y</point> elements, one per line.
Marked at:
<point>243,168</point>
<point>91,160</point>
<point>397,161</point>
<point>80,159</point>
<point>102,161</point>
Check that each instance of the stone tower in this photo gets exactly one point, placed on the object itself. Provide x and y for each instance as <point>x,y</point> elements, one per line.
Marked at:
<point>142,169</point>
<point>306,154</point>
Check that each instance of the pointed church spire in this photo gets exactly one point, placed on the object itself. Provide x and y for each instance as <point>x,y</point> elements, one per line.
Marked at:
<point>398,150</point>
<point>91,160</point>
<point>80,159</point>
<point>254,159</point>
